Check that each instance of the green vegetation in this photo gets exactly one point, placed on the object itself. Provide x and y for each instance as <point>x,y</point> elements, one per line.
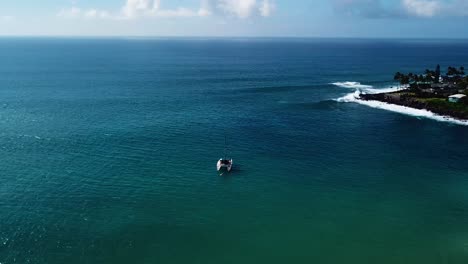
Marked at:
<point>454,71</point>
<point>455,77</point>
<point>463,84</point>
<point>430,91</point>
<point>440,104</point>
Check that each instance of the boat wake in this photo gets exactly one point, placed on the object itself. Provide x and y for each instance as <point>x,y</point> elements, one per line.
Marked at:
<point>359,89</point>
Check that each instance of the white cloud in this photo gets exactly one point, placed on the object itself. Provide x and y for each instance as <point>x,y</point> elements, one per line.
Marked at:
<point>239,8</point>
<point>75,12</point>
<point>266,8</point>
<point>246,8</point>
<point>72,12</point>
<point>179,12</point>
<point>6,18</point>
<point>94,13</point>
<point>133,9</point>
<point>432,8</point>
<point>152,8</point>
<point>205,8</point>
<point>422,8</point>
<point>405,8</point>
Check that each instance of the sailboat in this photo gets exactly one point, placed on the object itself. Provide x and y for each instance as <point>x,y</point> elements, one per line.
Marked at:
<point>224,163</point>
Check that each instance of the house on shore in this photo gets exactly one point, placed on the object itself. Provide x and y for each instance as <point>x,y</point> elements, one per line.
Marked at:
<point>456,98</point>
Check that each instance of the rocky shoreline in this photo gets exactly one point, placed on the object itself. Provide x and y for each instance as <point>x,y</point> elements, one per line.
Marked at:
<point>438,106</point>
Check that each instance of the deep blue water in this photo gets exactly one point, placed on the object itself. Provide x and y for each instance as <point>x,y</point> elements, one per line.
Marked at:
<point>109,146</point>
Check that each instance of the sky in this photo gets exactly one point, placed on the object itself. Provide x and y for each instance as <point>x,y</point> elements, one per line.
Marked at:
<point>236,18</point>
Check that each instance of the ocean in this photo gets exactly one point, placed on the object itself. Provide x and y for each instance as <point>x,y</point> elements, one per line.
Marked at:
<point>109,149</point>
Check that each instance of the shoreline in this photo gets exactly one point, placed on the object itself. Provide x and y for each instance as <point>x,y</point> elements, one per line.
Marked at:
<point>376,98</point>
<point>437,106</point>
<point>418,110</point>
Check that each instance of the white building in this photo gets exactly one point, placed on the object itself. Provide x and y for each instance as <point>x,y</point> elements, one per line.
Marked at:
<point>455,98</point>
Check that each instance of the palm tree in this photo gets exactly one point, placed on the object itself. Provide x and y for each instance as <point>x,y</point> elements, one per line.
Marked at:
<point>452,71</point>
<point>411,76</point>
<point>398,76</point>
<point>405,79</point>
<point>437,71</point>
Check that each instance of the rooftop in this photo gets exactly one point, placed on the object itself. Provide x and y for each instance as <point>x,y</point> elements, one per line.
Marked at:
<point>458,96</point>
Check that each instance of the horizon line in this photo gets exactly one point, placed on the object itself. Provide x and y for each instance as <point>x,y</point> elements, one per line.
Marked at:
<point>227,37</point>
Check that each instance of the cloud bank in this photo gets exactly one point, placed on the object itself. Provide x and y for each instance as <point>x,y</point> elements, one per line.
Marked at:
<point>422,8</point>
<point>405,8</point>
<point>133,9</point>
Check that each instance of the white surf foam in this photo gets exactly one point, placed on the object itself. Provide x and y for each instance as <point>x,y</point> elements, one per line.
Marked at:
<point>349,98</point>
<point>355,98</point>
<point>368,89</point>
<point>352,85</point>
<point>382,90</point>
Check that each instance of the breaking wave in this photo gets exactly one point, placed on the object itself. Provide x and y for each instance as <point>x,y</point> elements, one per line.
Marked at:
<point>367,89</point>
<point>354,97</point>
<point>352,85</point>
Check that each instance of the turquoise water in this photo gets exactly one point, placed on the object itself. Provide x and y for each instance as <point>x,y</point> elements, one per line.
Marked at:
<point>109,149</point>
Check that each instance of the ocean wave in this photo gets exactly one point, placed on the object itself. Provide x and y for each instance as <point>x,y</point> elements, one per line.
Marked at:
<point>382,90</point>
<point>368,89</point>
<point>352,85</point>
<point>350,98</point>
<point>355,98</point>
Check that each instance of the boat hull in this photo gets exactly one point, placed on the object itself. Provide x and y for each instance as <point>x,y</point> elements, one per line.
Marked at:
<point>221,166</point>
